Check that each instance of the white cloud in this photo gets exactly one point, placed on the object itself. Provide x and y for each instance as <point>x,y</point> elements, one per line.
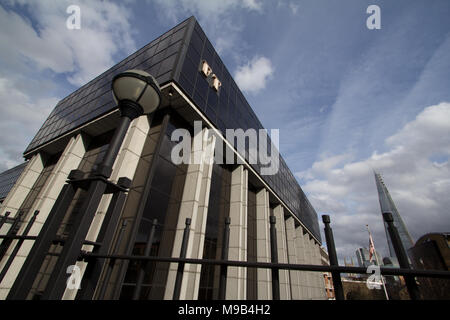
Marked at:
<point>253,76</point>
<point>21,118</point>
<point>205,9</point>
<point>419,185</point>
<point>294,7</point>
<point>223,21</point>
<point>37,52</point>
<point>83,54</point>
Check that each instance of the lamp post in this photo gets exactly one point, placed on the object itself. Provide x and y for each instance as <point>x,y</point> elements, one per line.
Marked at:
<point>136,93</point>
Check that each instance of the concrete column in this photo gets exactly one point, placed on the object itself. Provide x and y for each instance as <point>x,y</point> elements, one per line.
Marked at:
<point>125,166</point>
<point>200,228</point>
<point>237,276</point>
<point>285,289</point>
<point>22,187</point>
<point>264,276</point>
<point>194,205</point>
<point>13,201</point>
<point>292,258</point>
<point>313,278</point>
<point>321,294</point>
<point>69,160</point>
<point>301,259</point>
<point>310,277</point>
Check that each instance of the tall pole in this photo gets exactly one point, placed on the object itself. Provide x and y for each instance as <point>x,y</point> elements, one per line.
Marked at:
<point>378,262</point>
<point>402,257</point>
<point>336,276</point>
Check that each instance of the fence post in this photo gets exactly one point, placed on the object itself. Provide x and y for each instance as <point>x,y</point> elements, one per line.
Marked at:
<point>112,261</point>
<point>44,240</point>
<point>337,283</point>
<point>18,245</point>
<point>4,218</point>
<point>177,288</point>
<point>274,256</point>
<point>148,248</point>
<point>10,234</point>
<point>402,257</point>
<point>224,268</point>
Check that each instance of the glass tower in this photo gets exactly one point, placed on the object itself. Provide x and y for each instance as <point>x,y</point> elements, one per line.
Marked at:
<point>387,205</point>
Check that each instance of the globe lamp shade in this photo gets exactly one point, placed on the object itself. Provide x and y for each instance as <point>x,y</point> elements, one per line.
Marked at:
<point>139,87</point>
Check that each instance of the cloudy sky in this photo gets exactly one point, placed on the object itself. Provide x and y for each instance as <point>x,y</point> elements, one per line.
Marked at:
<point>347,100</point>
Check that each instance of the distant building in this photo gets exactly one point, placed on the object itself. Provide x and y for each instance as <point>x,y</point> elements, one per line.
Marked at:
<point>387,205</point>
<point>432,252</point>
<point>363,258</point>
<point>350,275</point>
<point>327,278</point>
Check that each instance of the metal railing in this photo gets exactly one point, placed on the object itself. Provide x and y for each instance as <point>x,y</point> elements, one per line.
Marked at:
<point>102,260</point>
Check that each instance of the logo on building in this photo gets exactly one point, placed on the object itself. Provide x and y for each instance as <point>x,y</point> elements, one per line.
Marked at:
<point>207,72</point>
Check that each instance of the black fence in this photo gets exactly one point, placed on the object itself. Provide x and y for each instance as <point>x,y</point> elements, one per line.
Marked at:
<point>100,259</point>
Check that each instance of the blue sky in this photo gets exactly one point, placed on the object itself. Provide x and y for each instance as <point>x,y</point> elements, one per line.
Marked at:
<point>347,100</point>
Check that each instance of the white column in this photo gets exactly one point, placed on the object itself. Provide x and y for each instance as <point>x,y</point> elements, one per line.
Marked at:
<point>69,160</point>
<point>310,278</point>
<point>194,205</point>
<point>237,276</point>
<point>125,165</point>
<point>285,290</point>
<point>264,276</point>
<point>301,259</point>
<point>313,278</point>
<point>12,203</point>
<point>321,294</point>
<point>292,258</point>
<point>200,228</point>
<point>22,187</point>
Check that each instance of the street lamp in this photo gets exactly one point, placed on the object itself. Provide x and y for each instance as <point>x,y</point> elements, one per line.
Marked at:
<point>136,93</point>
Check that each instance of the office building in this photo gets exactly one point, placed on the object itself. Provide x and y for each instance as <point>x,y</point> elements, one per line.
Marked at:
<point>432,252</point>
<point>196,88</point>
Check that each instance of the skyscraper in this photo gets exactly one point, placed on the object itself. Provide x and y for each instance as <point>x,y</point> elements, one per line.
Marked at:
<point>387,205</point>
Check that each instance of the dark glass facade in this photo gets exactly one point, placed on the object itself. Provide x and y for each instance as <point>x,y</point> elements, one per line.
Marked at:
<point>95,152</point>
<point>94,99</point>
<point>176,56</point>
<point>218,210</point>
<point>162,204</point>
<point>8,178</point>
<point>252,274</point>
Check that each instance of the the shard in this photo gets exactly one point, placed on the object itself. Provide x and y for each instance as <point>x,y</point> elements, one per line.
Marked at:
<point>387,205</point>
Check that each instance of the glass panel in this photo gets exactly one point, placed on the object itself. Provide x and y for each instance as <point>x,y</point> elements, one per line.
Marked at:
<point>218,210</point>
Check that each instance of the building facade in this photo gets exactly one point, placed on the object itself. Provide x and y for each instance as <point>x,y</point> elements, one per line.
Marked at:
<point>432,252</point>
<point>163,193</point>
